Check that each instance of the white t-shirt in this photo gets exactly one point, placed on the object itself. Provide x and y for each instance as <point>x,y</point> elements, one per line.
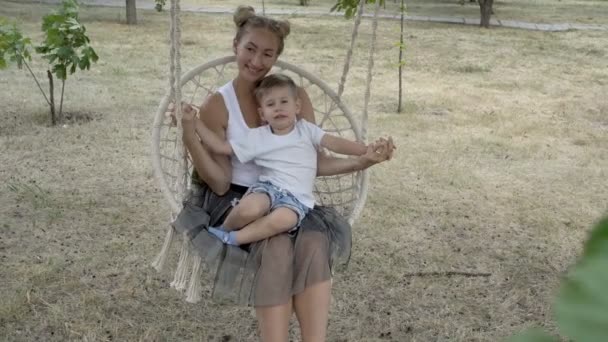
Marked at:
<point>288,161</point>
<point>245,174</point>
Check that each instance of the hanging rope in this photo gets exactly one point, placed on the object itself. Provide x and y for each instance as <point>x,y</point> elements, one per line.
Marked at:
<point>176,94</point>
<point>349,53</point>
<point>370,66</point>
<point>176,89</point>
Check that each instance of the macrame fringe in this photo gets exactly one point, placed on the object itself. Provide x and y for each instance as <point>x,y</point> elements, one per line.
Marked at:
<point>180,280</point>
<point>161,259</point>
<point>193,294</point>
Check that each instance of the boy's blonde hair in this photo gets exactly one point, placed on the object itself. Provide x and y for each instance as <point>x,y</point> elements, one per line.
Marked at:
<point>275,81</point>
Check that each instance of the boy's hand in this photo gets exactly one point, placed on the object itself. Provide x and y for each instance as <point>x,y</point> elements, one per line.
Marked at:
<point>377,152</point>
<point>385,147</point>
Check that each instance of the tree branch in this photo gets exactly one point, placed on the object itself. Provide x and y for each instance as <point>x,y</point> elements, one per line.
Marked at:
<point>61,101</point>
<point>447,274</point>
<point>36,79</point>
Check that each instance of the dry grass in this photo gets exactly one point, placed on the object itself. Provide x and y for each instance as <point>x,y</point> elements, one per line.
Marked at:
<point>501,168</point>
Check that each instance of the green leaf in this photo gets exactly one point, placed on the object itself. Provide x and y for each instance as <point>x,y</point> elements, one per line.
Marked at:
<point>582,305</point>
<point>51,21</point>
<point>60,71</point>
<point>597,245</point>
<point>83,63</point>
<point>2,62</point>
<point>54,38</point>
<point>94,56</point>
<point>532,335</point>
<point>41,49</point>
<point>52,58</point>
<point>65,52</point>
<point>73,24</point>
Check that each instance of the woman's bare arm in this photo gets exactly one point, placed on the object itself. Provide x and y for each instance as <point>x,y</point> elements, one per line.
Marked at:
<point>214,170</point>
<point>211,140</point>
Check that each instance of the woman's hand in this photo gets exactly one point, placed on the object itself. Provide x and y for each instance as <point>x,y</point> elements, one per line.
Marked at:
<point>189,113</point>
<point>379,151</point>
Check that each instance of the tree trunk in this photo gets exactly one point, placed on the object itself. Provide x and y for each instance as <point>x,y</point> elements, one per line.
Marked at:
<point>60,116</point>
<point>401,47</point>
<point>485,7</point>
<point>52,96</point>
<point>303,2</point>
<point>131,12</point>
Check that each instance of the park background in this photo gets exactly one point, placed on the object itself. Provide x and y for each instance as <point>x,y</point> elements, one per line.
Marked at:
<point>500,171</point>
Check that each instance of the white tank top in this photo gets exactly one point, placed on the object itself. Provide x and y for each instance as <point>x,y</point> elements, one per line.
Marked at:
<point>242,174</point>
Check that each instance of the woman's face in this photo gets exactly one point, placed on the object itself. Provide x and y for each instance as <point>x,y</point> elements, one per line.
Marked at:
<point>256,53</point>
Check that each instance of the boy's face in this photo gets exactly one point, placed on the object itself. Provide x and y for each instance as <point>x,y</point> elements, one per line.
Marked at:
<point>279,108</point>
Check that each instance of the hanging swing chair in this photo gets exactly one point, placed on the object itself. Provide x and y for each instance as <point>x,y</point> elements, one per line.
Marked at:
<point>172,167</point>
<point>346,193</point>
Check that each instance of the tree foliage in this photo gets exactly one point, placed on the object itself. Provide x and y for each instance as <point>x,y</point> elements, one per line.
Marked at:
<point>13,46</point>
<point>159,4</point>
<point>350,6</point>
<point>66,45</point>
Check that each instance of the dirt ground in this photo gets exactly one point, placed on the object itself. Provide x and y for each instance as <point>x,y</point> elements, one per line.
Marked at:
<point>501,168</point>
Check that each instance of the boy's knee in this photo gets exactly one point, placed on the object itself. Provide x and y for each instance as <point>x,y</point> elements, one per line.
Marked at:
<point>252,211</point>
<point>284,218</point>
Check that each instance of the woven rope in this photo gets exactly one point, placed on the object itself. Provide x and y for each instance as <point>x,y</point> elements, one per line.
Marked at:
<point>176,67</point>
<point>370,66</point>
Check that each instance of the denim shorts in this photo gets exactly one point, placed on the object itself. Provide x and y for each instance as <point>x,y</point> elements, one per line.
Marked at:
<point>280,198</point>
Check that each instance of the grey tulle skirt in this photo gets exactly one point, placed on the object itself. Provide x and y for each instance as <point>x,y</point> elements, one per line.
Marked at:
<point>267,272</point>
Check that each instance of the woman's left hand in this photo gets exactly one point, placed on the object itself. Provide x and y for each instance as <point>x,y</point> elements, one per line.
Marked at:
<point>189,112</point>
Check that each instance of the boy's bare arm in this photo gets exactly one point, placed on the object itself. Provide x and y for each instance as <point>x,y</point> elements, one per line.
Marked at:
<point>211,140</point>
<point>343,146</point>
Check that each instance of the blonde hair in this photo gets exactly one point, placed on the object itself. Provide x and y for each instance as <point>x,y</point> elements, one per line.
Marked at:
<point>245,18</point>
<point>275,81</point>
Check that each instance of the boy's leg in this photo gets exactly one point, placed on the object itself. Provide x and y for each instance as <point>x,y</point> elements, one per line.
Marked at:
<point>280,220</point>
<point>250,208</point>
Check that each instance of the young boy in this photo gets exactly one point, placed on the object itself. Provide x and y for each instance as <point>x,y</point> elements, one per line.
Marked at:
<point>286,149</point>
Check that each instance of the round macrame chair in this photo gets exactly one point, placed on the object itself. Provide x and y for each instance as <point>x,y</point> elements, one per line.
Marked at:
<point>172,167</point>
<point>346,193</point>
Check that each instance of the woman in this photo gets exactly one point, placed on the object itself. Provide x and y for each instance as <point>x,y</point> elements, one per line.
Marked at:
<point>290,273</point>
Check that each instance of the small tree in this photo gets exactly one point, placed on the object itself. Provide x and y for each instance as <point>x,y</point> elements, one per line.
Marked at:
<point>65,47</point>
<point>350,9</point>
<point>401,61</point>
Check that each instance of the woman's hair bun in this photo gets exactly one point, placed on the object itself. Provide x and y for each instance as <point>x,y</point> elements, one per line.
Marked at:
<point>284,28</point>
<point>242,14</point>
